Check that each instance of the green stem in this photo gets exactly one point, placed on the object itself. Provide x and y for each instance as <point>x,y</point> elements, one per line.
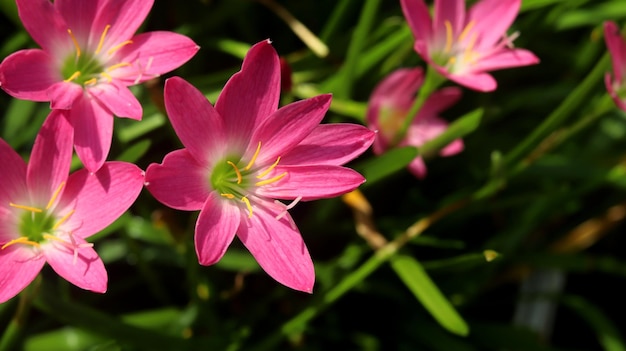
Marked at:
<point>560,114</point>
<point>15,328</point>
<point>432,81</point>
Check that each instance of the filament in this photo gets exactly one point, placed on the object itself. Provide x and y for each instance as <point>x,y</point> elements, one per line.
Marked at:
<point>27,208</point>
<point>112,50</point>
<point>448,36</point>
<point>466,30</point>
<point>62,220</point>
<point>20,240</point>
<point>248,205</point>
<point>69,31</point>
<point>55,195</point>
<point>72,77</point>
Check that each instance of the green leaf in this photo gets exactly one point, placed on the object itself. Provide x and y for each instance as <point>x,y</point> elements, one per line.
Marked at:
<point>417,280</point>
<point>388,163</point>
<point>135,152</point>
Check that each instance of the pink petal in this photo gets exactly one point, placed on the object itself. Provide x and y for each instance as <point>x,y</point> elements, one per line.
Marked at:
<point>13,174</point>
<point>451,11</point>
<point>491,20</point>
<point>153,54</point>
<point>63,94</point>
<point>483,82</point>
<point>311,182</point>
<point>439,101</point>
<point>85,269</point>
<point>93,130</point>
<point>425,129</point>
<point>617,48</point>
<point>125,17</point>
<point>215,229</point>
<point>28,74</point>
<point>279,249</point>
<point>98,199</point>
<point>418,168</point>
<point>505,59</point>
<point>51,157</point>
<point>455,147</point>
<point>19,265</point>
<point>610,87</point>
<point>118,99</point>
<point>418,17</point>
<point>251,95</point>
<point>330,144</point>
<point>179,182</point>
<point>197,124</point>
<point>398,90</point>
<point>287,127</point>
<point>44,24</point>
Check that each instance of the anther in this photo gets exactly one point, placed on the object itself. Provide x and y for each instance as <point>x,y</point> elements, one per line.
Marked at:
<point>69,31</point>
<point>228,196</point>
<point>448,36</point>
<point>27,208</point>
<point>91,81</point>
<point>248,205</point>
<point>117,65</point>
<point>256,154</point>
<point>271,180</point>
<point>55,195</point>
<point>107,77</point>
<point>112,50</point>
<point>466,30</point>
<point>101,42</point>
<point>269,169</point>
<point>239,178</point>
<point>20,240</point>
<point>72,77</point>
<point>62,220</point>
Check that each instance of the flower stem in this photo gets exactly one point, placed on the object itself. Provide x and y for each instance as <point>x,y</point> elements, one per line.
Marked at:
<point>432,80</point>
<point>14,330</point>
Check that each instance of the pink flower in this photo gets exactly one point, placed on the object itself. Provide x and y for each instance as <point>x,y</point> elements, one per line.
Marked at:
<point>45,215</point>
<point>617,48</point>
<point>245,152</point>
<point>463,48</point>
<point>392,99</point>
<point>87,60</point>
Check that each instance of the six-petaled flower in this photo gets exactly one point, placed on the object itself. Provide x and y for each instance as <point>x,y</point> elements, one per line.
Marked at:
<point>245,154</point>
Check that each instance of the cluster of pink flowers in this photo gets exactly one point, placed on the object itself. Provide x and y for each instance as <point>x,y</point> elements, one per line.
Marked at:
<point>245,162</point>
<point>240,157</point>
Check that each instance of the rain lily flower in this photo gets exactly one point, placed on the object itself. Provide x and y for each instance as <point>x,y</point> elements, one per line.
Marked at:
<point>617,48</point>
<point>245,154</point>
<point>464,47</point>
<point>46,215</point>
<point>88,58</point>
<point>392,99</point>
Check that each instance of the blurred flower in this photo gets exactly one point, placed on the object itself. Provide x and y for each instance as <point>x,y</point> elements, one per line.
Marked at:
<point>463,48</point>
<point>87,60</point>
<point>617,48</point>
<point>245,152</point>
<point>390,102</point>
<point>45,215</point>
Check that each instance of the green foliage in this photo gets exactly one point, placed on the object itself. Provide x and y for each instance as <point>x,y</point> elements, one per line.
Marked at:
<point>541,181</point>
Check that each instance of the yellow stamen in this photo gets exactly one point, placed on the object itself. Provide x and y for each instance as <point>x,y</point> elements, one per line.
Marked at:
<point>271,180</point>
<point>236,171</point>
<point>27,208</point>
<point>269,169</point>
<point>466,30</point>
<point>256,153</point>
<point>69,31</point>
<point>117,65</point>
<point>112,50</point>
<point>107,76</point>
<point>468,55</point>
<point>91,81</point>
<point>62,220</point>
<point>20,240</point>
<point>54,238</point>
<point>104,33</point>
<point>228,196</point>
<point>72,77</point>
<point>55,195</point>
<point>248,205</point>
<point>448,36</point>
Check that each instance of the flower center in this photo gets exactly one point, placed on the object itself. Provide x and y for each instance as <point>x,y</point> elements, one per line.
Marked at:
<point>39,225</point>
<point>90,68</point>
<point>236,181</point>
